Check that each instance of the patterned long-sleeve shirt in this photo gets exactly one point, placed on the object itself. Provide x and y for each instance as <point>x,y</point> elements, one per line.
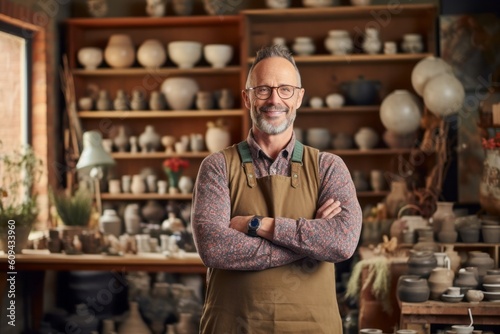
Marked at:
<point>222,247</point>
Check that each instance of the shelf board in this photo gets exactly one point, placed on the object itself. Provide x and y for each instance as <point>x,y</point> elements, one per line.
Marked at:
<point>146,21</point>
<point>158,155</point>
<point>344,109</point>
<point>356,58</point>
<point>159,114</point>
<point>162,71</point>
<point>145,196</point>
<point>374,151</point>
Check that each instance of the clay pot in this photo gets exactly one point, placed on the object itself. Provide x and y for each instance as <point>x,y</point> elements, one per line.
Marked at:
<point>318,138</point>
<point>110,223</point>
<point>153,212</point>
<point>474,296</point>
<point>119,52</point>
<point>361,91</point>
<point>440,279</point>
<point>444,211</point>
<point>218,55</point>
<point>132,219</point>
<point>149,140</point>
<point>466,280</point>
<point>151,54</point>
<point>133,323</point>
<point>185,54</point>
<point>481,260</point>
<point>138,186</point>
<point>401,112</point>
<point>217,137</point>
<point>339,42</point>
<point>425,69</point>
<point>412,43</point>
<point>397,198</point>
<point>180,92</point>
<point>412,289</point>
<point>371,43</point>
<point>90,57</point>
<point>421,263</point>
<point>303,46</point>
<point>453,256</point>
<point>366,138</point>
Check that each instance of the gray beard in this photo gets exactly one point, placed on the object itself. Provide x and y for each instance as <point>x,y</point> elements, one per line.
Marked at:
<point>264,126</point>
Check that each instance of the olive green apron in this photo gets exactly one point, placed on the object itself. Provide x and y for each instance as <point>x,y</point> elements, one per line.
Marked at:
<point>295,298</point>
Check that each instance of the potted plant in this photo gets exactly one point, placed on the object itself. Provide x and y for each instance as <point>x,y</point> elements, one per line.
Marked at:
<point>19,171</point>
<point>73,210</point>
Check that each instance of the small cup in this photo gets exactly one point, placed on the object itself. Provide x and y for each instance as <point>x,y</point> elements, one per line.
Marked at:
<point>114,186</point>
<point>453,291</point>
<point>316,102</point>
<point>390,48</point>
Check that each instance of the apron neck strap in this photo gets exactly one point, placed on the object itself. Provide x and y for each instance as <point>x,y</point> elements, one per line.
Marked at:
<point>247,163</point>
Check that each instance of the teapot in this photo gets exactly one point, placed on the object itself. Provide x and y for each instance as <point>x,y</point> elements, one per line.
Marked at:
<point>361,91</point>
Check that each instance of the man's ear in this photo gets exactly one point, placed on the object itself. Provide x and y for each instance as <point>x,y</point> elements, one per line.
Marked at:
<point>246,98</point>
<point>300,98</point>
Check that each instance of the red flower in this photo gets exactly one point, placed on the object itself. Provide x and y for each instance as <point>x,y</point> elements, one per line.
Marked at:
<point>175,164</point>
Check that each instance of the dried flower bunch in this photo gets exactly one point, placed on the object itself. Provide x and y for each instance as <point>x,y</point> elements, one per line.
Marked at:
<point>491,143</point>
<point>175,164</point>
<point>19,171</point>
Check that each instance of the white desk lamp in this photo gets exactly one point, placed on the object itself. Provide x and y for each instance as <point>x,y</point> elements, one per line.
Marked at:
<point>94,156</point>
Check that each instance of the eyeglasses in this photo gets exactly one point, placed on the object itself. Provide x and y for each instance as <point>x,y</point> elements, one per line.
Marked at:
<point>264,92</point>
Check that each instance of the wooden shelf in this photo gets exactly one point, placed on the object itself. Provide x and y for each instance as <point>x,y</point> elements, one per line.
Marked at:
<point>158,155</point>
<point>161,72</point>
<point>145,196</point>
<point>357,58</point>
<point>159,114</point>
<point>153,22</point>
<point>343,109</point>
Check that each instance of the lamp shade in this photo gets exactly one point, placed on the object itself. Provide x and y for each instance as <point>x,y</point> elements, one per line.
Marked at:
<point>93,154</point>
<point>444,94</point>
<point>401,112</point>
<point>425,70</point>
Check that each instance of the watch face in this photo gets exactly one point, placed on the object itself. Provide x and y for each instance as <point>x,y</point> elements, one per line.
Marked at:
<point>254,223</point>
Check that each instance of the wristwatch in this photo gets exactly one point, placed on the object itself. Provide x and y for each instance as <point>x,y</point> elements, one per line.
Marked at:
<point>254,225</point>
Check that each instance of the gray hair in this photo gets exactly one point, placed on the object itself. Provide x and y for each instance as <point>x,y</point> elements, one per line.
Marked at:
<point>273,51</point>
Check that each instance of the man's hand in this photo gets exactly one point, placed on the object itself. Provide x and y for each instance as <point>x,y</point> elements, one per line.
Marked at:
<point>240,223</point>
<point>328,210</point>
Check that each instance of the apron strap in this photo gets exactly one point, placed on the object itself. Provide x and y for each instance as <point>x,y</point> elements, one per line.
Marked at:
<point>247,163</point>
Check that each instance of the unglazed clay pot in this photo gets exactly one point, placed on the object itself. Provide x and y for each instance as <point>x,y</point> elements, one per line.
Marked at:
<point>421,263</point>
<point>151,53</point>
<point>90,57</point>
<point>439,281</point>
<point>412,289</point>
<point>180,92</point>
<point>119,52</point>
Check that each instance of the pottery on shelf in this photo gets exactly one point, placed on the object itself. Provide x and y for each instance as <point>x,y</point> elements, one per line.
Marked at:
<point>342,141</point>
<point>185,54</point>
<point>218,55</point>
<point>319,3</point>
<point>110,223</point>
<point>103,102</point>
<point>425,69</point>
<point>156,8</point>
<point>151,54</point>
<point>90,57</point>
<point>397,198</point>
<point>137,101</point>
<point>182,7</point>
<point>185,184</point>
<point>157,101</point>
<point>401,112</point>
<point>132,219</point>
<point>217,136</point>
<point>121,139</point>
<point>138,186</point>
<point>366,138</point>
<point>225,99</point>
<point>216,7</point>
<point>412,289</point>
<point>412,43</point>
<point>180,92</point>
<point>481,260</point>
<point>334,100</point>
<point>303,46</point>
<point>97,8</point>
<point>489,189</point>
<point>444,212</point>
<point>153,212</point>
<point>455,259</point>
<point>278,4</point>
<point>338,42</point>
<point>121,101</point>
<point>119,52</point>
<point>133,323</point>
<point>361,91</point>
<point>318,137</point>
<point>421,263</point>
<point>149,140</point>
<point>204,100</point>
<point>440,279</point>
<point>372,44</point>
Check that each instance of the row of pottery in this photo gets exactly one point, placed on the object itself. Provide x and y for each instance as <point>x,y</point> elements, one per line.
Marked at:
<point>120,52</point>
<point>203,100</point>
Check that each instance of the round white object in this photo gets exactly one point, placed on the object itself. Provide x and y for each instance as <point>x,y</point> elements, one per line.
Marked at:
<point>401,112</point>
<point>151,54</point>
<point>444,95</point>
<point>425,69</point>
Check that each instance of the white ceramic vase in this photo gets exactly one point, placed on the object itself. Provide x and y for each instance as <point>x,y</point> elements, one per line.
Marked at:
<point>217,138</point>
<point>110,223</point>
<point>339,42</point>
<point>185,184</point>
<point>180,92</point>
<point>366,138</point>
<point>119,52</point>
<point>401,112</point>
<point>149,140</point>
<point>151,53</point>
<point>90,57</point>
<point>425,69</point>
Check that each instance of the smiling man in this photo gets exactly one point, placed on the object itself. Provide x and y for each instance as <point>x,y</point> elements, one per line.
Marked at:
<point>271,216</point>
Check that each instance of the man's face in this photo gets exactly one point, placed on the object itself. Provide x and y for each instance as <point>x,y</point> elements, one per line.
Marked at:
<point>273,115</point>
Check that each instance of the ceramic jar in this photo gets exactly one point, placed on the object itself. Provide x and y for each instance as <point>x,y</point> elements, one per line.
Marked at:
<point>318,138</point>
<point>444,211</point>
<point>90,57</point>
<point>218,55</point>
<point>121,102</point>
<point>334,100</point>
<point>278,4</point>
<point>180,92</point>
<point>421,263</point>
<point>149,140</point>
<point>156,101</point>
<point>153,212</point>
<point>466,280</point>
<point>372,43</point>
<point>137,102</point>
<point>132,219</point>
<point>401,112</point>
<point>156,8</point>
<point>204,100</point>
<point>225,99</point>
<point>412,289</point>
<point>481,260</point>
<point>366,138</point>
<point>121,139</point>
<point>339,42</point>
<point>138,186</point>
<point>119,52</point>
<point>397,198</point>
<point>182,7</point>
<point>185,184</point>
<point>133,323</point>
<point>103,102</point>
<point>455,259</point>
<point>412,43</point>
<point>151,54</point>
<point>474,296</point>
<point>217,136</point>
<point>303,46</point>
<point>425,70</point>
<point>361,91</point>
<point>440,279</point>
<point>110,223</point>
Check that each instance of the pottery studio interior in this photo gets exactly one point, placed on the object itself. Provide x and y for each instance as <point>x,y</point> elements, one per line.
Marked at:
<point>116,112</point>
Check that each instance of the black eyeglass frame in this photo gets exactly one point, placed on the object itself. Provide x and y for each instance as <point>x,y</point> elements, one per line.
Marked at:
<point>277,91</point>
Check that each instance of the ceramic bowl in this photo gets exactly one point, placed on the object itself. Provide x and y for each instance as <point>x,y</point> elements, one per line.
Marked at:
<point>218,55</point>
<point>491,287</point>
<point>492,296</point>
<point>462,329</point>
<point>452,298</point>
<point>184,54</point>
<point>90,57</point>
<point>474,296</point>
<point>491,233</point>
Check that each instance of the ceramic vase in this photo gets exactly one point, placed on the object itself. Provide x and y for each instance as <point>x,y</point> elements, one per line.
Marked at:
<point>137,102</point>
<point>440,279</point>
<point>103,102</point>
<point>401,112</point>
<point>149,140</point>
<point>119,52</point>
<point>444,211</point>
<point>153,212</point>
<point>361,91</point>
<point>425,69</point>
<point>204,100</point>
<point>481,260</point>
<point>412,289</point>
<point>303,46</point>
<point>110,223</point>
<point>372,43</point>
<point>412,43</point>
<point>133,323</point>
<point>132,219</point>
<point>121,140</point>
<point>466,280</point>
<point>185,184</point>
<point>377,180</point>
<point>217,137</point>
<point>366,138</point>
<point>397,198</point>
<point>157,101</point>
<point>421,263</point>
<point>455,259</point>
<point>226,99</point>
<point>151,54</point>
<point>138,186</point>
<point>180,92</point>
<point>339,42</point>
